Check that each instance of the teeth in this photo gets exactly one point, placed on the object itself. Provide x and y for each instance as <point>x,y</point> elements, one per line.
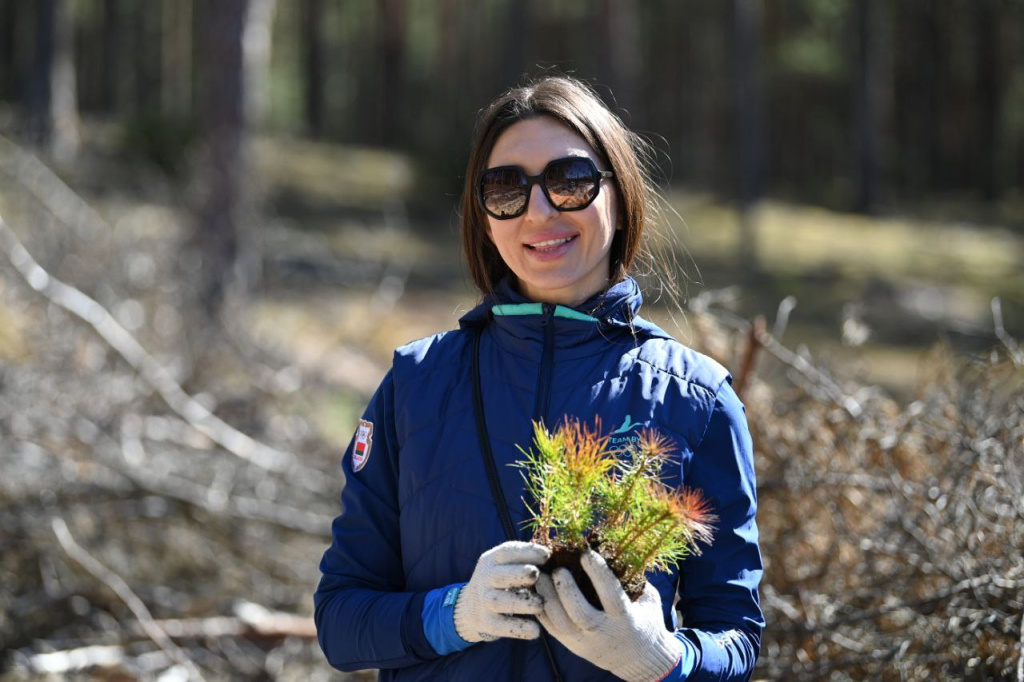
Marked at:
<point>551,242</point>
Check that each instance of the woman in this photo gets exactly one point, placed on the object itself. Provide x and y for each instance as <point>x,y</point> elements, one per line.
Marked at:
<point>429,575</point>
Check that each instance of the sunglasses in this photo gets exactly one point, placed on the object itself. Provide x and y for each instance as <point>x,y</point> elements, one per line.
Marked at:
<point>570,184</point>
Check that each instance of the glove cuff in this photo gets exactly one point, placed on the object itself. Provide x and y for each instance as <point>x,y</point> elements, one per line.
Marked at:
<point>463,617</point>
<point>439,622</point>
<point>655,663</point>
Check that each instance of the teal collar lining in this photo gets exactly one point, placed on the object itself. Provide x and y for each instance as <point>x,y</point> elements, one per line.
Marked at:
<point>538,309</point>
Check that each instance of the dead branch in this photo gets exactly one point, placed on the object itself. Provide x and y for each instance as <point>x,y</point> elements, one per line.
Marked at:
<point>189,409</point>
<point>59,199</point>
<point>71,660</point>
<point>1011,345</point>
<point>133,465</point>
<point>796,361</point>
<point>250,620</point>
<point>125,593</point>
<point>757,331</point>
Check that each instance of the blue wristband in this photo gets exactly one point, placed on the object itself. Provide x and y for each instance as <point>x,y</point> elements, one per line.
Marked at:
<point>439,620</point>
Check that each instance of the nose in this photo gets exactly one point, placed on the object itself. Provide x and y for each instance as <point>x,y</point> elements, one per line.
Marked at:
<point>538,208</point>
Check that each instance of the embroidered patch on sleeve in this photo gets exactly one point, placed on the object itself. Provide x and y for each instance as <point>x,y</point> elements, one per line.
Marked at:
<point>364,442</point>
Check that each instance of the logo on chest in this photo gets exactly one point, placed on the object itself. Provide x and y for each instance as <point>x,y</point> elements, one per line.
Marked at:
<point>626,434</point>
<point>364,443</point>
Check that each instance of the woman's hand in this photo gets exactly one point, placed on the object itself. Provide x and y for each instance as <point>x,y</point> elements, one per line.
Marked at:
<point>489,604</point>
<point>628,638</point>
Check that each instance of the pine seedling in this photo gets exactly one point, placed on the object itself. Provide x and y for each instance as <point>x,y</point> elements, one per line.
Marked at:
<point>586,494</point>
<point>571,459</point>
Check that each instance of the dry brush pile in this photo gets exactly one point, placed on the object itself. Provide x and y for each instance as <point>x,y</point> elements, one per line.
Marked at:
<point>165,498</point>
<point>142,535</point>
<point>893,535</point>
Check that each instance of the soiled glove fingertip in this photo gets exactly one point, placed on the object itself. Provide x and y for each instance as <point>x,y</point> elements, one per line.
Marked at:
<point>532,600</point>
<point>593,560</point>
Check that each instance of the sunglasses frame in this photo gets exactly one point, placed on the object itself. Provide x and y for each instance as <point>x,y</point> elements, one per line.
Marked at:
<point>596,176</point>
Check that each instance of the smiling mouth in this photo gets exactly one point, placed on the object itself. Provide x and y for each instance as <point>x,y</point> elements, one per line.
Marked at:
<point>550,244</point>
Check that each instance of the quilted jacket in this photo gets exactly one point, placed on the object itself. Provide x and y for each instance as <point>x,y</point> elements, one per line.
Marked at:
<point>417,509</point>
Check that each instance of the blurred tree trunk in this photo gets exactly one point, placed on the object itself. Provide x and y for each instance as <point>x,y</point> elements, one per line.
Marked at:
<point>988,101</point>
<point>176,59</point>
<point>619,51</point>
<point>146,31</point>
<point>934,53</point>
<point>110,60</point>
<point>8,31</point>
<point>868,108</point>
<point>391,24</point>
<point>747,108</point>
<point>517,26</point>
<point>53,101</point>
<point>312,42</point>
<point>448,63</point>
<point>235,43</point>
<point>257,43</point>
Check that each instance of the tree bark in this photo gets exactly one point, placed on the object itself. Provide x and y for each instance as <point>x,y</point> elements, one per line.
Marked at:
<point>8,28</point>
<point>868,107</point>
<point>747,107</point>
<point>225,161</point>
<point>53,100</point>
<point>236,49</point>
<point>145,56</point>
<point>517,17</point>
<point>176,59</point>
<point>110,62</point>
<point>620,50</point>
<point>313,58</point>
<point>391,26</point>
<point>988,101</point>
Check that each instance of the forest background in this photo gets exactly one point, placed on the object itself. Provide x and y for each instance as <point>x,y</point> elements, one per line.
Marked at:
<point>218,219</point>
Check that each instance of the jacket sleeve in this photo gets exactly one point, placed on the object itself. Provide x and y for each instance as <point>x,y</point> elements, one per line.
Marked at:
<point>364,618</point>
<point>718,590</point>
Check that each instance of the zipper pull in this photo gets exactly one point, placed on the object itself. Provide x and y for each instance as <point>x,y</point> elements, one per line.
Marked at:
<point>549,312</point>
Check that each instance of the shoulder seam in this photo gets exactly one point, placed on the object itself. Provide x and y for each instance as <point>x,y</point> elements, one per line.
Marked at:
<point>711,414</point>
<point>713,392</point>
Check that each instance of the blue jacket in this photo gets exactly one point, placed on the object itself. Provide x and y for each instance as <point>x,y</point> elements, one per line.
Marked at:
<point>417,509</point>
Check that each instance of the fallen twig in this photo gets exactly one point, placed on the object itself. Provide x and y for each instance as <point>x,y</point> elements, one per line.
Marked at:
<point>125,593</point>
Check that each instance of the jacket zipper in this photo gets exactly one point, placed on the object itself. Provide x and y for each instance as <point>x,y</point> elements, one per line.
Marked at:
<point>547,362</point>
<point>540,410</point>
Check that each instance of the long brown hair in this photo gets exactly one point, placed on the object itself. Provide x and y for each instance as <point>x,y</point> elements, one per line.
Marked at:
<point>579,108</point>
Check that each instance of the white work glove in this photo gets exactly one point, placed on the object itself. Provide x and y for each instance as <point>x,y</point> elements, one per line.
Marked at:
<point>490,604</point>
<point>628,638</point>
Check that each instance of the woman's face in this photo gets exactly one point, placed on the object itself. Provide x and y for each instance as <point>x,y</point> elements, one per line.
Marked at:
<point>557,257</point>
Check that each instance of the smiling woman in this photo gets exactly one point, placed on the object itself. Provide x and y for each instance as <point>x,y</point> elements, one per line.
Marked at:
<point>431,574</point>
<point>558,254</point>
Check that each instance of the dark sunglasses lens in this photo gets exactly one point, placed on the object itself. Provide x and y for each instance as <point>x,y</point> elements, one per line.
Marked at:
<point>504,192</point>
<point>571,183</point>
